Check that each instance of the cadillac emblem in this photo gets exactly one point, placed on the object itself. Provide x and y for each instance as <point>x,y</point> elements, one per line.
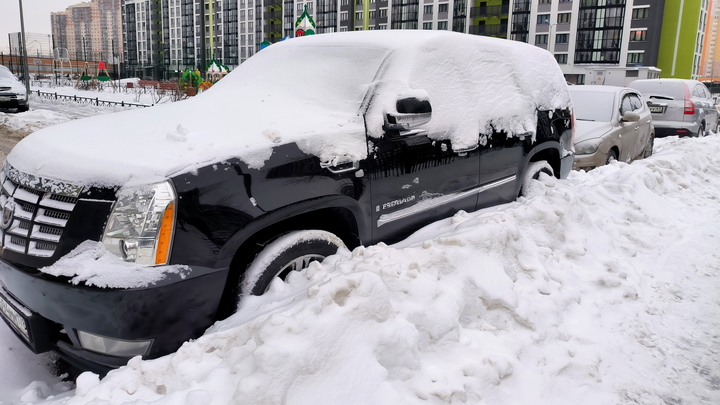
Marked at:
<point>8,211</point>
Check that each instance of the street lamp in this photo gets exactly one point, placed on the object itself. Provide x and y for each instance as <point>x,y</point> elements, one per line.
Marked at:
<point>26,73</point>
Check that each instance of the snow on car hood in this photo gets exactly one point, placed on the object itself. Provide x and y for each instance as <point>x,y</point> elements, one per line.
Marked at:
<point>312,91</point>
<point>585,130</point>
<point>15,86</point>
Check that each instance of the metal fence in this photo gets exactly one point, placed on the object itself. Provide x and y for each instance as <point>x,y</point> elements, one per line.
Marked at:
<point>88,100</point>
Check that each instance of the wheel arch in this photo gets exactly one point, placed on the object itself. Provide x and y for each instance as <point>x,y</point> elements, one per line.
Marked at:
<point>341,216</point>
<point>548,151</point>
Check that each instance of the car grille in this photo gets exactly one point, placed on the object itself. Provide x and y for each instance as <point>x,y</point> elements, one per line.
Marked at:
<point>34,212</point>
<point>4,88</point>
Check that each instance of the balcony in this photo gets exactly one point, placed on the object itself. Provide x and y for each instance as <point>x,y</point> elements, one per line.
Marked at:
<point>489,11</point>
<point>490,30</point>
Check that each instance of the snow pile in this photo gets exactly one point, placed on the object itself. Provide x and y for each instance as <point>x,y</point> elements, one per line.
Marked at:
<point>599,289</point>
<point>91,264</point>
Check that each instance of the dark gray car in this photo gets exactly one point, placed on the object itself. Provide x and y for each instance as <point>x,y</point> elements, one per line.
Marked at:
<point>679,107</point>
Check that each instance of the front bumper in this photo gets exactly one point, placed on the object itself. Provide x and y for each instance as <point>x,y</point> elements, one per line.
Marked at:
<point>12,101</point>
<point>168,313</point>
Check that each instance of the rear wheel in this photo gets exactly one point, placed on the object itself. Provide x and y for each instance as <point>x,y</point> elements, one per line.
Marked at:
<point>649,147</point>
<point>532,173</point>
<point>293,251</point>
<point>701,131</point>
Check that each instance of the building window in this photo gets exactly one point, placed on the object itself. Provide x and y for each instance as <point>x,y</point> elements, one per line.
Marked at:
<point>371,14</point>
<point>563,18</point>
<point>561,58</point>
<point>344,16</point>
<point>562,38</point>
<point>427,9</point>
<point>358,16</point>
<point>543,19</point>
<point>443,8</point>
<point>635,58</point>
<point>442,25</point>
<point>427,25</point>
<point>544,1</point>
<point>638,36</point>
<point>631,73</point>
<point>383,13</point>
<point>541,39</point>
<point>641,13</point>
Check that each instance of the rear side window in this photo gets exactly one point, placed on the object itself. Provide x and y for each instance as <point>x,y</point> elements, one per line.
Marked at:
<point>667,89</point>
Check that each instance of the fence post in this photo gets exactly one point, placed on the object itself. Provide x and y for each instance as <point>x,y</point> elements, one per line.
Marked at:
<point>122,104</point>
<point>97,103</point>
<point>75,98</point>
<point>56,95</point>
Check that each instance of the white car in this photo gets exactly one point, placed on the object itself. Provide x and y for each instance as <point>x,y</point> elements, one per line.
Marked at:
<point>13,93</point>
<point>612,123</point>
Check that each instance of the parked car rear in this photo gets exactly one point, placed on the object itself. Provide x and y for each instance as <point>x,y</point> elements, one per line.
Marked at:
<point>679,107</point>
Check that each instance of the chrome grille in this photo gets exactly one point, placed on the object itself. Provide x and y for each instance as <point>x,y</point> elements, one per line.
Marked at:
<point>32,216</point>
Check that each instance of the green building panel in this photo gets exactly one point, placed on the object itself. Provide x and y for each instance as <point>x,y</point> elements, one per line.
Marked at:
<point>489,17</point>
<point>678,38</point>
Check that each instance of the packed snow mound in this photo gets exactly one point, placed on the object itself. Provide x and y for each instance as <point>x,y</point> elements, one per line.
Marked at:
<point>590,290</point>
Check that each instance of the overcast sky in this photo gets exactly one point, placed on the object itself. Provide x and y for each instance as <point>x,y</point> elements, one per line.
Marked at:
<point>36,13</point>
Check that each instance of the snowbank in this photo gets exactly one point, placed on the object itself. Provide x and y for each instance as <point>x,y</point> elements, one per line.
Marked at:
<point>596,290</point>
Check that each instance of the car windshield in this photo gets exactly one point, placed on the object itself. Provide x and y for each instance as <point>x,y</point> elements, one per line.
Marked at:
<point>593,105</point>
<point>334,79</point>
<point>5,74</point>
<point>669,89</point>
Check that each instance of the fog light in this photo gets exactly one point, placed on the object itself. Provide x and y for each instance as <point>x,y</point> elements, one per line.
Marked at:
<point>113,347</point>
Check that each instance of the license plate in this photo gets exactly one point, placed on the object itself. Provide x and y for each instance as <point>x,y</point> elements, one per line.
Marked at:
<point>656,108</point>
<point>13,317</point>
<point>5,98</point>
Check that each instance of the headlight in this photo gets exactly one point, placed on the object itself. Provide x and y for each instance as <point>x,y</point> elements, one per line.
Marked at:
<point>587,147</point>
<point>141,224</point>
<point>21,95</point>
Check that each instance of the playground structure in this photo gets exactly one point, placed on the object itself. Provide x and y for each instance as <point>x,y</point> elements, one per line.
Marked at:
<point>97,81</point>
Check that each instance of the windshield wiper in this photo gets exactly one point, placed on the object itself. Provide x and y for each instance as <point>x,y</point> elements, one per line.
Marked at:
<point>662,97</point>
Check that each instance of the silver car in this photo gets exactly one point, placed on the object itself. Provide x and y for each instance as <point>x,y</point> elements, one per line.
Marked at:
<point>13,93</point>
<point>679,107</point>
<point>611,123</point>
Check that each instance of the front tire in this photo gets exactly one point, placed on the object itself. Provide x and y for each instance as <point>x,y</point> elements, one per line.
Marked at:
<point>611,156</point>
<point>532,173</point>
<point>292,251</point>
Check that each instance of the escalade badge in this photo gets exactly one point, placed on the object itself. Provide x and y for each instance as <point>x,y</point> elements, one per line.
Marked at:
<point>8,210</point>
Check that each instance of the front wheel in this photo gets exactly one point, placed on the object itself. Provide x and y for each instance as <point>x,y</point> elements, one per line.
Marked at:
<point>533,172</point>
<point>292,251</point>
<point>611,156</point>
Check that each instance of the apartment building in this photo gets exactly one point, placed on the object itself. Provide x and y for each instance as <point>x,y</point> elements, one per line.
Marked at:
<point>710,62</point>
<point>89,31</point>
<point>594,41</point>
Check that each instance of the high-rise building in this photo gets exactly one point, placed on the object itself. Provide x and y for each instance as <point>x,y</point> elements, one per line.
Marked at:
<point>710,62</point>
<point>89,31</point>
<point>683,35</point>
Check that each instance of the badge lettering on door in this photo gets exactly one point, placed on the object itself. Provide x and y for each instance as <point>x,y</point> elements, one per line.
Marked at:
<point>400,201</point>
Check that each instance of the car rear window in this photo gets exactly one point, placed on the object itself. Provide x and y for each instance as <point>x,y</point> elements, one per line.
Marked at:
<point>649,89</point>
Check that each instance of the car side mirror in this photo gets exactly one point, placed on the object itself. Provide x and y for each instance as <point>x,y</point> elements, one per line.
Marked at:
<point>411,113</point>
<point>630,116</point>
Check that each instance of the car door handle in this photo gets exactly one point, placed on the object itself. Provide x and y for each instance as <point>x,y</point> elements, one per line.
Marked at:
<point>464,151</point>
<point>342,167</point>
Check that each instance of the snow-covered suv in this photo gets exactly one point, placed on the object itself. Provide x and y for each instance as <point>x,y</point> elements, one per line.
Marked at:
<point>128,234</point>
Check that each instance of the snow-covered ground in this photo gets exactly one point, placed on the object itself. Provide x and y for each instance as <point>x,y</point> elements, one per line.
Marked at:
<point>600,289</point>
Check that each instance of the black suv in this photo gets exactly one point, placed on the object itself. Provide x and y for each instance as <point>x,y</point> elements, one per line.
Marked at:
<point>128,234</point>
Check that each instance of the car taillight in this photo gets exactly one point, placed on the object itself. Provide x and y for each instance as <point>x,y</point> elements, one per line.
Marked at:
<point>689,105</point>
